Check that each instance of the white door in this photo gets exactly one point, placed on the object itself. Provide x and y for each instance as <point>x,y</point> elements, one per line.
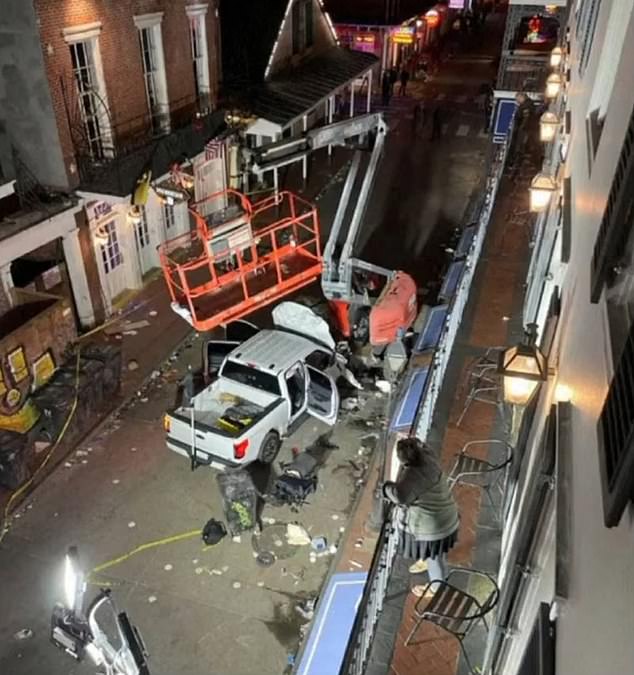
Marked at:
<point>144,249</point>
<point>111,259</point>
<point>296,384</point>
<point>322,395</point>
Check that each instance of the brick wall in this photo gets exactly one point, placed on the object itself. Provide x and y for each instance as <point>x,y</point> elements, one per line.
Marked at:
<point>121,55</point>
<point>53,328</point>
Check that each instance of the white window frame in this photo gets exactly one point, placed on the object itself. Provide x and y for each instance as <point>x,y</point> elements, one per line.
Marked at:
<point>197,15</point>
<point>169,217</point>
<point>111,253</point>
<point>88,34</point>
<point>159,113</point>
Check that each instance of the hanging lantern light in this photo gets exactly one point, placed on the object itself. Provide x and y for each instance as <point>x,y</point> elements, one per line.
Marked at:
<point>135,215</point>
<point>548,125</point>
<point>101,236</point>
<point>541,189</point>
<point>522,367</point>
<point>553,85</point>
<point>556,57</point>
<point>187,180</point>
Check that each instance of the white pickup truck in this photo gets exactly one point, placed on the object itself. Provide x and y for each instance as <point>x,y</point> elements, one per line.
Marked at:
<point>263,387</point>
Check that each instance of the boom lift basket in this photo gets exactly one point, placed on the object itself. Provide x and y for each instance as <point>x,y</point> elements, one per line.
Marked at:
<point>241,256</point>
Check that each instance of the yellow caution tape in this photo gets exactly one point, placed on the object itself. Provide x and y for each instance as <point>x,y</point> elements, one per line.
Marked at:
<point>145,547</point>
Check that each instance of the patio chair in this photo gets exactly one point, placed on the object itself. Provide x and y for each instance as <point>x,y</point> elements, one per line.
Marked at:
<point>487,475</point>
<point>485,389</point>
<point>454,610</point>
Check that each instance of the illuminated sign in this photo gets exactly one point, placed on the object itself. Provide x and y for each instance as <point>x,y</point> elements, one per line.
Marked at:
<point>456,4</point>
<point>403,36</point>
<point>433,18</point>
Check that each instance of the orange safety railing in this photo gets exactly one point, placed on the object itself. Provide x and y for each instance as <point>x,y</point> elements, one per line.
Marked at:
<point>280,254</point>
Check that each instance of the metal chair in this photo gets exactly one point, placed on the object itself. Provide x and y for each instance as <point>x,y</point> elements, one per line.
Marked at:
<point>485,390</point>
<point>487,475</point>
<point>454,610</point>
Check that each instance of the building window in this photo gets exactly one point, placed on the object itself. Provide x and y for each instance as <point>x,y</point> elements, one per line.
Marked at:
<point>90,88</point>
<point>153,61</point>
<point>168,216</point>
<point>585,30</point>
<point>141,230</point>
<point>110,250</point>
<point>200,54</point>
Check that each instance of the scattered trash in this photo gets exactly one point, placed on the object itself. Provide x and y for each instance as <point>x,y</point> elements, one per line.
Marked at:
<point>131,524</point>
<point>332,550</point>
<point>199,570</point>
<point>265,558</point>
<point>268,521</point>
<point>152,599</point>
<point>278,542</point>
<point>195,561</point>
<point>306,609</point>
<point>84,461</point>
<point>354,563</point>
<point>237,539</point>
<point>168,567</point>
<point>358,543</point>
<point>348,375</point>
<point>115,481</point>
<point>133,364</point>
<point>296,535</point>
<point>383,386</point>
<point>55,514</point>
<point>335,516</point>
<point>312,557</point>
<point>153,312</point>
<point>132,449</point>
<point>145,399</point>
<point>351,403</point>
<point>23,634</point>
<point>213,532</point>
<point>342,529</point>
<point>236,585</point>
<point>155,374</point>
<point>260,584</point>
<point>217,572</point>
<point>81,453</point>
<point>319,544</point>
<point>129,332</point>
<point>290,660</point>
<point>67,465</point>
<point>132,325</point>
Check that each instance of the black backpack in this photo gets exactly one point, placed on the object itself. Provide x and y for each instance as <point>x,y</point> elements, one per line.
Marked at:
<point>298,481</point>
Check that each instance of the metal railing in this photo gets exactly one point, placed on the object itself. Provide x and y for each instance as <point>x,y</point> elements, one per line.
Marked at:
<point>523,72</point>
<point>360,642</point>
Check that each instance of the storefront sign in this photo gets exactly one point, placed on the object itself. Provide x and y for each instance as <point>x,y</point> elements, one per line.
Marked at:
<point>505,109</point>
<point>403,36</point>
<point>169,192</point>
<point>456,4</point>
<point>433,18</point>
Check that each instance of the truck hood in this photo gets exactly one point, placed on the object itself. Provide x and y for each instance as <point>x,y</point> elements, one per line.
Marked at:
<point>300,319</point>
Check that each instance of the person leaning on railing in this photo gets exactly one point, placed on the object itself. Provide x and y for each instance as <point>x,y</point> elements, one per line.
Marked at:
<point>428,516</point>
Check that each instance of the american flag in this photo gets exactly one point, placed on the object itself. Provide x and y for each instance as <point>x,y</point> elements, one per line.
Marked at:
<point>214,150</point>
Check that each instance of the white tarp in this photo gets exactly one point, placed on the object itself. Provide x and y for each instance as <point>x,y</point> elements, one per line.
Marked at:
<point>301,319</point>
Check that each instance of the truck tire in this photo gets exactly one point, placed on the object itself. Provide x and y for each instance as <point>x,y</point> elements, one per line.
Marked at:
<point>270,447</point>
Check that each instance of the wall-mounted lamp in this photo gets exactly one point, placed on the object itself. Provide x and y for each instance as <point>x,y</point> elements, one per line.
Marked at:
<point>553,85</point>
<point>101,236</point>
<point>135,215</point>
<point>548,125</point>
<point>556,57</point>
<point>563,393</point>
<point>522,367</point>
<point>541,190</point>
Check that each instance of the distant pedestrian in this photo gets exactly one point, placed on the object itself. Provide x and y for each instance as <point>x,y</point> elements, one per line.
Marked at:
<point>418,117</point>
<point>386,88</point>
<point>436,124</point>
<point>393,78</point>
<point>404,80</point>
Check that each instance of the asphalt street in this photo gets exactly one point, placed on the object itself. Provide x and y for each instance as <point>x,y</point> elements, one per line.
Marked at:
<point>214,611</point>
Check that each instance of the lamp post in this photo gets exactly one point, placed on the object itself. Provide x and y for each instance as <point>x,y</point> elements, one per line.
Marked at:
<point>556,57</point>
<point>553,85</point>
<point>523,367</point>
<point>541,189</point>
<point>548,124</point>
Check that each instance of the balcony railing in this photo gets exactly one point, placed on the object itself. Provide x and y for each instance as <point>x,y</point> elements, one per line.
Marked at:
<point>523,71</point>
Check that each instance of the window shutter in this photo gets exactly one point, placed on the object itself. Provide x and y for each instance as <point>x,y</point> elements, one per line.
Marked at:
<point>615,224</point>
<point>616,438</point>
<point>566,228</point>
<point>589,22</point>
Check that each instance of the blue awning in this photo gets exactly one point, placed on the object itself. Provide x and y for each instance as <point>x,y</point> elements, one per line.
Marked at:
<point>451,280</point>
<point>410,400</point>
<point>330,632</point>
<point>465,242</point>
<point>504,113</point>
<point>430,335</point>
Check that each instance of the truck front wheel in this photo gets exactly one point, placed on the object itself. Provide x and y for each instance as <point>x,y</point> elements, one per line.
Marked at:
<point>270,447</point>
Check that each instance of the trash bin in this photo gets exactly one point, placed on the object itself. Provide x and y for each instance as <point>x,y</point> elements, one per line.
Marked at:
<point>55,403</point>
<point>110,356</point>
<point>239,498</point>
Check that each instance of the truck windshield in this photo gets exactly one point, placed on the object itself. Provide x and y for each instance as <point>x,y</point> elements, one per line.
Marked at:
<point>251,376</point>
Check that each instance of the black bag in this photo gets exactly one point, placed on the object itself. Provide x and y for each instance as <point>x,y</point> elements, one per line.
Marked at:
<point>213,532</point>
<point>294,490</point>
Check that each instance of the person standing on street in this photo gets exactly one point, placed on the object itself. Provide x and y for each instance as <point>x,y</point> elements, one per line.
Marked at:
<point>436,124</point>
<point>393,78</point>
<point>386,88</point>
<point>404,80</point>
<point>428,520</point>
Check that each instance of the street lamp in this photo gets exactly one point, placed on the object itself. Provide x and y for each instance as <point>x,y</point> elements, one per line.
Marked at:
<point>548,124</point>
<point>523,367</point>
<point>553,85</point>
<point>556,57</point>
<point>541,189</point>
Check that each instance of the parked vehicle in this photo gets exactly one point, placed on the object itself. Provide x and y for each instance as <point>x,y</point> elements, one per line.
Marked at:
<point>258,391</point>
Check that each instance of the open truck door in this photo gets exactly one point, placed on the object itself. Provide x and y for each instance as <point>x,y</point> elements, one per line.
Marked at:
<point>322,396</point>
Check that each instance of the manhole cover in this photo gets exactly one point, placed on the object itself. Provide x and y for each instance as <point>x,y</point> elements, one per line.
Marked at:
<point>273,538</point>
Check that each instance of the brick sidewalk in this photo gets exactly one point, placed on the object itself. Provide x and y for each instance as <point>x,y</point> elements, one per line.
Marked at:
<point>496,294</point>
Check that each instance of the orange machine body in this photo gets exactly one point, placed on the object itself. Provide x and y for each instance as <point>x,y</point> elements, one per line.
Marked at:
<point>395,310</point>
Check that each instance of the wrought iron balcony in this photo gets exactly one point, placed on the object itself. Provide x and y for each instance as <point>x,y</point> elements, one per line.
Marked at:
<point>523,71</point>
